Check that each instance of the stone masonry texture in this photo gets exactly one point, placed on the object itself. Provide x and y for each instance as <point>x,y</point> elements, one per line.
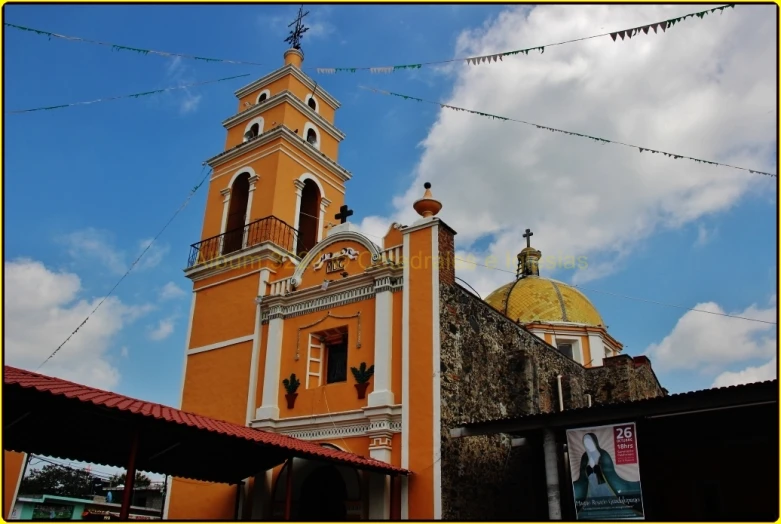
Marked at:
<point>493,368</point>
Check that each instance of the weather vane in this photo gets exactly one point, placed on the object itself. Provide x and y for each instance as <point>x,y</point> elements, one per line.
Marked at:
<point>297,33</point>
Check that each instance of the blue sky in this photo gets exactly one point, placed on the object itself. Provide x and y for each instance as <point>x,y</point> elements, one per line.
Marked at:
<point>87,186</point>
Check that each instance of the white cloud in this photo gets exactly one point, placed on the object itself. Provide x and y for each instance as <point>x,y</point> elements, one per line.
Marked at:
<point>124,353</point>
<point>171,291</point>
<point>709,343</point>
<point>767,371</point>
<point>163,330</point>
<point>700,89</point>
<point>704,235</point>
<point>96,245</point>
<point>43,307</point>
<point>181,73</point>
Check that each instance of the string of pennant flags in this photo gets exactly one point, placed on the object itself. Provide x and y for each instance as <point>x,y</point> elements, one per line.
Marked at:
<point>641,149</point>
<point>499,57</point>
<point>117,47</point>
<point>134,95</point>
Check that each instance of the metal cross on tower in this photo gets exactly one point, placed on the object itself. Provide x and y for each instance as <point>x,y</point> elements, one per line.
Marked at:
<point>343,213</point>
<point>297,33</point>
<point>528,236</point>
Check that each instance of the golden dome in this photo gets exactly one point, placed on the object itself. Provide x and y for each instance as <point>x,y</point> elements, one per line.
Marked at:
<point>533,298</point>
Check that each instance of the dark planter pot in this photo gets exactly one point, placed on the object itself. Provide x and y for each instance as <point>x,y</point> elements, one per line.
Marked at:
<point>291,400</point>
<point>362,390</point>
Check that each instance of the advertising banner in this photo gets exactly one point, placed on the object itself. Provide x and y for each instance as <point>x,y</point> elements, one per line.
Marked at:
<point>605,472</point>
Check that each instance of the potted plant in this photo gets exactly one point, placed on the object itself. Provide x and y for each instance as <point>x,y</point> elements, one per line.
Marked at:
<point>362,376</point>
<point>291,385</point>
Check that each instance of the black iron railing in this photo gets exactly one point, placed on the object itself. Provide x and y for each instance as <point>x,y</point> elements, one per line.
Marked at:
<point>269,229</point>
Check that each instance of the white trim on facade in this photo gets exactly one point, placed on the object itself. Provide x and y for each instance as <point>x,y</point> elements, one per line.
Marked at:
<point>253,367</point>
<point>244,275</point>
<point>305,134</point>
<point>383,344</point>
<point>257,120</point>
<point>279,73</point>
<point>317,102</point>
<point>332,173</point>
<point>268,95</point>
<point>264,251</point>
<point>220,345</point>
<point>269,408</point>
<point>187,348</point>
<point>331,239</point>
<point>436,391</point>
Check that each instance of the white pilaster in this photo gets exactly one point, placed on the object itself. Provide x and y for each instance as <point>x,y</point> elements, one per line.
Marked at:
<point>324,203</point>
<point>269,408</point>
<point>597,347</point>
<point>405,379</point>
<point>382,395</point>
<point>226,198</point>
<point>248,215</point>
<point>299,191</point>
<point>253,367</point>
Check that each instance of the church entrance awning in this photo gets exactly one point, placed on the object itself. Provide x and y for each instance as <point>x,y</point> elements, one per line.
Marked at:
<point>48,416</point>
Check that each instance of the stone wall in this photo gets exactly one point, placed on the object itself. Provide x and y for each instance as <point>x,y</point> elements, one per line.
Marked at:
<point>493,368</point>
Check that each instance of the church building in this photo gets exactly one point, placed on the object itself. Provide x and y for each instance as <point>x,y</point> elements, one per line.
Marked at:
<point>303,326</point>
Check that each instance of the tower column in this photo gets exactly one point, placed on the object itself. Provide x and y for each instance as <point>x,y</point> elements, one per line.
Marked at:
<point>226,199</point>
<point>324,203</point>
<point>247,218</point>
<point>269,408</point>
<point>299,191</point>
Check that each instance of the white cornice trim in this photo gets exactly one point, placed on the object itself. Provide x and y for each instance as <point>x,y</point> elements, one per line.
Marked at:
<point>220,345</point>
<point>298,74</point>
<point>280,98</point>
<point>353,423</point>
<point>327,175</point>
<point>263,251</point>
<point>310,300</point>
<point>280,131</point>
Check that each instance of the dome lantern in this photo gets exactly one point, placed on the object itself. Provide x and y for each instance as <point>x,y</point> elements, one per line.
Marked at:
<point>528,259</point>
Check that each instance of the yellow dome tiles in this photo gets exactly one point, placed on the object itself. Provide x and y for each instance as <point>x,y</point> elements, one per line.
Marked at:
<point>540,299</point>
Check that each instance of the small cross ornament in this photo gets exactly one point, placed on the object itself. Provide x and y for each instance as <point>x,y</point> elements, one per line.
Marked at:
<point>343,213</point>
<point>528,236</point>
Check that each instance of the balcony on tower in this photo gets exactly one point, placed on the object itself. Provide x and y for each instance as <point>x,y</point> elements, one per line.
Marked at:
<point>270,230</point>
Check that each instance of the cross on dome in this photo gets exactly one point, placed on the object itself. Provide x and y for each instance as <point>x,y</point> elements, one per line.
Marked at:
<point>528,236</point>
<point>297,33</point>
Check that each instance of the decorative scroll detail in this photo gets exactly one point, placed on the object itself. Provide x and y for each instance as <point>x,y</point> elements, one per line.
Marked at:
<point>327,316</point>
<point>347,252</point>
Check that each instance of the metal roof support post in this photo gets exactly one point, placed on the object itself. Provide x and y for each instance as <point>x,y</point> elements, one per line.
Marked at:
<point>552,474</point>
<point>392,513</point>
<point>289,488</point>
<point>130,478</point>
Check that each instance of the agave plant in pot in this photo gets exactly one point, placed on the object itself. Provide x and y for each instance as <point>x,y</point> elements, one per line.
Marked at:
<point>291,385</point>
<point>362,376</point>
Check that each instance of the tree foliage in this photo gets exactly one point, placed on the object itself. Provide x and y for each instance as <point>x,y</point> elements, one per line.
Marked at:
<point>57,480</point>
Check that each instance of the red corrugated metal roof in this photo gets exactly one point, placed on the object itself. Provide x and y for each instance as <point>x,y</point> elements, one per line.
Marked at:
<point>86,394</point>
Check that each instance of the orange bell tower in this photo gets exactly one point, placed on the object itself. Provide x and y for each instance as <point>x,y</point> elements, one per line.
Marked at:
<point>269,199</point>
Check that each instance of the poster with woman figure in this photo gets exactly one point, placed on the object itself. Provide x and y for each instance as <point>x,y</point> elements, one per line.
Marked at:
<point>605,472</point>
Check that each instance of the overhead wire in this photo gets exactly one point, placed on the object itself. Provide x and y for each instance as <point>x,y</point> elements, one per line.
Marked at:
<point>572,133</point>
<point>133,95</point>
<point>149,245</point>
<point>118,47</point>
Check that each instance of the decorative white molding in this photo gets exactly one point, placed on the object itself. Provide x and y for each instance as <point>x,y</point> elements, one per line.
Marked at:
<point>317,102</point>
<point>267,93</point>
<point>270,401</point>
<point>280,131</point>
<point>257,120</point>
<point>305,159</point>
<point>291,99</point>
<point>226,198</point>
<point>220,345</point>
<point>305,134</point>
<point>324,203</point>
<point>187,348</point>
<point>253,367</point>
<point>383,338</point>
<point>339,293</point>
<point>356,423</point>
<point>257,253</point>
<point>329,240</point>
<point>297,74</point>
